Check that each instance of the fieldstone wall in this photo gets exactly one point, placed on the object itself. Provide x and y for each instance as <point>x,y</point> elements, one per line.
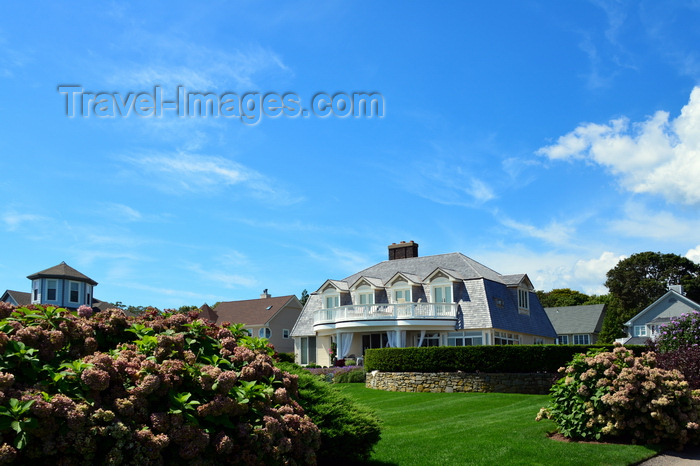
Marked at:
<point>449,382</point>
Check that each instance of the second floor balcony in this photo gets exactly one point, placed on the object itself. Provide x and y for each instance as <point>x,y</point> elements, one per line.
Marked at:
<point>356,312</point>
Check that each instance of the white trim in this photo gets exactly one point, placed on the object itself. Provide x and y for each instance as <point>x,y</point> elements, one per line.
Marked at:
<point>70,292</point>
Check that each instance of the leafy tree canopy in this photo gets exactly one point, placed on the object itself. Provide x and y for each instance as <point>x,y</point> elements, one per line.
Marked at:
<point>562,297</point>
<point>641,279</point>
<point>304,297</point>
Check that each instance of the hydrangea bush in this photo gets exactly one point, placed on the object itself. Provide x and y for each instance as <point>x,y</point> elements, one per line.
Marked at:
<point>617,395</point>
<point>77,388</point>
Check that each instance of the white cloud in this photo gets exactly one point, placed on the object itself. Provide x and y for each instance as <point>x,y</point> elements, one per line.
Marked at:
<point>657,156</point>
<point>198,68</point>
<point>554,233</point>
<point>14,220</point>
<point>449,186</point>
<point>549,270</point>
<point>228,280</point>
<point>123,212</point>
<point>641,222</point>
<point>11,59</point>
<point>594,271</point>
<point>180,171</point>
<point>694,254</point>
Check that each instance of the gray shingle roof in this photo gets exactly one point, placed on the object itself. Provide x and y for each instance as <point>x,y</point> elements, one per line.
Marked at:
<point>576,319</point>
<point>485,300</point>
<point>20,297</point>
<point>305,322</point>
<point>509,318</point>
<point>457,263</point>
<point>62,270</point>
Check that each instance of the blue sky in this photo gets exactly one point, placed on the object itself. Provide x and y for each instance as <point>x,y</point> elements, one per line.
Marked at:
<point>547,138</point>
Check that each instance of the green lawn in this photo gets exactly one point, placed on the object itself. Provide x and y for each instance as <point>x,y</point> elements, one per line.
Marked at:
<point>476,428</point>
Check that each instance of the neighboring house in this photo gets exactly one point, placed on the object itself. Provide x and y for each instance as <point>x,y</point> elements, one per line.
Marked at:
<point>647,323</point>
<point>60,286</point>
<point>577,325</point>
<point>441,300</point>
<point>16,298</point>
<point>267,317</point>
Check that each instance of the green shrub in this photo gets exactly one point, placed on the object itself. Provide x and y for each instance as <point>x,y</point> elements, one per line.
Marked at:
<point>353,376</point>
<point>349,431</point>
<point>615,394</point>
<point>285,357</point>
<point>165,388</point>
<point>511,358</point>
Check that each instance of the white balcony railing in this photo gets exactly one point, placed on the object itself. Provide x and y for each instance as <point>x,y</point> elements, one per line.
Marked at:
<point>386,311</point>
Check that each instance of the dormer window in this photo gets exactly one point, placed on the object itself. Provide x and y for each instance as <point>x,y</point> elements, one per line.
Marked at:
<point>402,296</point>
<point>401,288</point>
<point>365,295</point>
<point>442,291</point>
<point>331,300</point>
<point>523,301</point>
<point>401,292</point>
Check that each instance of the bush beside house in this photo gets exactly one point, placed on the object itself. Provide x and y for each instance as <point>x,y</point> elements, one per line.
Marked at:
<point>160,388</point>
<point>605,395</point>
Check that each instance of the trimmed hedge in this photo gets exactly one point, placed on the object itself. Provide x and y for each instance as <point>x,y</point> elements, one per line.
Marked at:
<point>510,358</point>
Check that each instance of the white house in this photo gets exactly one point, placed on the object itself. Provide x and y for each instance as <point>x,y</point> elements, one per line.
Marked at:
<point>441,300</point>
<point>647,323</point>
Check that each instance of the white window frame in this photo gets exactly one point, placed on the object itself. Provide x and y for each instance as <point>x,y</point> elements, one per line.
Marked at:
<point>365,295</point>
<point>405,295</point>
<point>285,333</point>
<point>264,332</point>
<point>432,339</point>
<point>464,337</point>
<point>70,292</point>
<point>55,289</point>
<point>443,284</point>
<point>505,338</point>
<point>562,339</point>
<point>640,330</point>
<point>400,286</point>
<point>582,339</point>
<point>307,350</point>
<point>331,298</point>
<point>523,301</point>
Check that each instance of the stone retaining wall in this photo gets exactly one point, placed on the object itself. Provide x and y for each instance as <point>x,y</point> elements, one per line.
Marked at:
<point>449,382</point>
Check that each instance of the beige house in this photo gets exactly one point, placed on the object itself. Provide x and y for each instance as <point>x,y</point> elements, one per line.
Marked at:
<point>267,317</point>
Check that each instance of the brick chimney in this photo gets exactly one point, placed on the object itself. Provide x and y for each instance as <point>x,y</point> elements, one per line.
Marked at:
<point>265,294</point>
<point>403,250</point>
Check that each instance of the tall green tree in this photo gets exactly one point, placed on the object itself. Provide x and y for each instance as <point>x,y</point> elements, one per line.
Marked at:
<point>560,297</point>
<point>304,297</point>
<point>642,278</point>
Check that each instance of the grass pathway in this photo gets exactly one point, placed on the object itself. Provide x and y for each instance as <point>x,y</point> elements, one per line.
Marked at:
<point>476,429</point>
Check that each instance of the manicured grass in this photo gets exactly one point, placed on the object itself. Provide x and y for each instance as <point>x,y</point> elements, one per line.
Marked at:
<point>476,428</point>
